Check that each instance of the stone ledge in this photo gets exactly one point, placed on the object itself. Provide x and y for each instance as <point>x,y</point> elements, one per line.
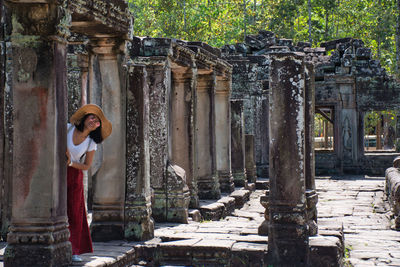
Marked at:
<point>262,183</point>
<point>326,251</point>
<point>229,203</point>
<point>195,215</point>
<point>212,211</point>
<point>241,196</point>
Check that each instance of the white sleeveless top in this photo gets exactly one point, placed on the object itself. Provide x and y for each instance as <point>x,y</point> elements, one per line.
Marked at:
<point>76,152</point>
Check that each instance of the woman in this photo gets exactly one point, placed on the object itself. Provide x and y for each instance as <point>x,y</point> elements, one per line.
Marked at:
<point>88,128</point>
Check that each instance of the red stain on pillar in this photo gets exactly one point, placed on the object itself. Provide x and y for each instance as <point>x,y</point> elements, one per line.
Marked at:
<point>31,158</point>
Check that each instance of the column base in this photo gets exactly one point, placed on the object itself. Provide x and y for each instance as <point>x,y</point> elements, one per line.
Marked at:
<point>38,255</point>
<point>194,200</point>
<point>226,182</point>
<point>139,225</point>
<point>38,245</point>
<point>251,173</point>
<point>159,205</point>
<point>107,223</point>
<point>263,170</point>
<point>209,187</point>
<point>106,231</point>
<point>240,178</point>
<point>312,200</point>
<point>178,207</point>
<point>173,207</point>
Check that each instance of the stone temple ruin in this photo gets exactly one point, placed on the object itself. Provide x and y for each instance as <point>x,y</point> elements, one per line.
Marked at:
<point>190,122</point>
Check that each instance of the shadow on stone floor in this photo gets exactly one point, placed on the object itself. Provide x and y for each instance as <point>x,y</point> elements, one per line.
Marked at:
<point>351,177</point>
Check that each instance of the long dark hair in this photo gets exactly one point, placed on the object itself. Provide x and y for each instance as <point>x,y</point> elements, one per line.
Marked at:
<point>95,134</point>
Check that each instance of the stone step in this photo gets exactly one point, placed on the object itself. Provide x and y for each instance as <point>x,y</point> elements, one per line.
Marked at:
<point>241,196</point>
<point>195,215</point>
<point>251,187</point>
<point>211,211</point>
<point>229,203</point>
<point>203,251</point>
<point>262,183</point>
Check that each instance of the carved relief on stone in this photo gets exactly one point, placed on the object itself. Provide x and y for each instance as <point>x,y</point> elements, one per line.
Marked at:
<point>24,63</point>
<point>347,138</point>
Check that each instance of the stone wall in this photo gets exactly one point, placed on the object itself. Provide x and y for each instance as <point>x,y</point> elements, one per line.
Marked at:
<point>349,81</point>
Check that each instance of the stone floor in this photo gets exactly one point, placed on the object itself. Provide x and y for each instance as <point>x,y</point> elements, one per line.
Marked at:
<point>352,203</point>
<point>358,203</point>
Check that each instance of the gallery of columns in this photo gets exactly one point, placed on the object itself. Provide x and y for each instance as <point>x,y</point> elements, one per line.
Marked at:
<point>190,122</point>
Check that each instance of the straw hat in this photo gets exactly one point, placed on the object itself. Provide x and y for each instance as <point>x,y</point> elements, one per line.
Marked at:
<point>106,126</point>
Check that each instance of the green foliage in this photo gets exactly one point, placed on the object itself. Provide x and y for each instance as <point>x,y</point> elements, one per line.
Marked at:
<point>220,22</point>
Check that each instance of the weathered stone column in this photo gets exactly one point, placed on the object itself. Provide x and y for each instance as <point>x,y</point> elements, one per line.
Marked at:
<point>6,129</point>
<point>83,63</point>
<point>237,143</point>
<point>251,169</point>
<point>205,157</point>
<point>222,133</point>
<point>109,183</point>
<point>397,144</point>
<point>138,222</point>
<point>309,167</point>
<point>288,235</point>
<point>159,81</point>
<point>348,151</point>
<point>38,234</point>
<point>181,125</point>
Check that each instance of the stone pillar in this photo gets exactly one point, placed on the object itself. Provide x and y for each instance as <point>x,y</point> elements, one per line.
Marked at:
<point>83,64</point>
<point>397,144</point>
<point>205,157</point>
<point>159,81</point>
<point>6,130</point>
<point>250,165</point>
<point>180,172</point>
<point>222,133</point>
<point>288,235</point>
<point>138,222</point>
<point>109,184</point>
<point>262,168</point>
<point>38,233</point>
<point>309,167</point>
<point>348,134</point>
<point>2,90</point>
<point>181,125</point>
<point>237,143</point>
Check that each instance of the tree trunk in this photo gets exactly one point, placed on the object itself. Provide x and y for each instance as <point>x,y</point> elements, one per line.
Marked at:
<point>398,41</point>
<point>309,21</point>
<point>255,13</point>
<point>244,19</point>
<point>184,16</point>
<point>326,24</point>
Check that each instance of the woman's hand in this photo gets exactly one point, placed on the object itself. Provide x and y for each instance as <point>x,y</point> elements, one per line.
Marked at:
<point>68,157</point>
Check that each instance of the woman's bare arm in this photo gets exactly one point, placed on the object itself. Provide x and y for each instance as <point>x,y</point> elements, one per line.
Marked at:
<point>88,161</point>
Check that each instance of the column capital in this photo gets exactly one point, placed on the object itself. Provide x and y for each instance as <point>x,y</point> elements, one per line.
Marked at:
<point>107,45</point>
<point>41,20</point>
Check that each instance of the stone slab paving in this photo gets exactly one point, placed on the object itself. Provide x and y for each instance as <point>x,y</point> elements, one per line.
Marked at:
<point>357,203</point>
<point>354,204</point>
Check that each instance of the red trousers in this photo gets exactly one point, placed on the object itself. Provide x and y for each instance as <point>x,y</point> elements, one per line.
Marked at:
<point>78,225</point>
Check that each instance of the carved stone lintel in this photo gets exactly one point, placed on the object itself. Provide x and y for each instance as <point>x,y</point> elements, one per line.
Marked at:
<point>41,19</point>
<point>107,47</point>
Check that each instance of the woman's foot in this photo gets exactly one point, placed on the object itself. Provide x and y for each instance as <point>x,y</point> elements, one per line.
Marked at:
<point>76,258</point>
